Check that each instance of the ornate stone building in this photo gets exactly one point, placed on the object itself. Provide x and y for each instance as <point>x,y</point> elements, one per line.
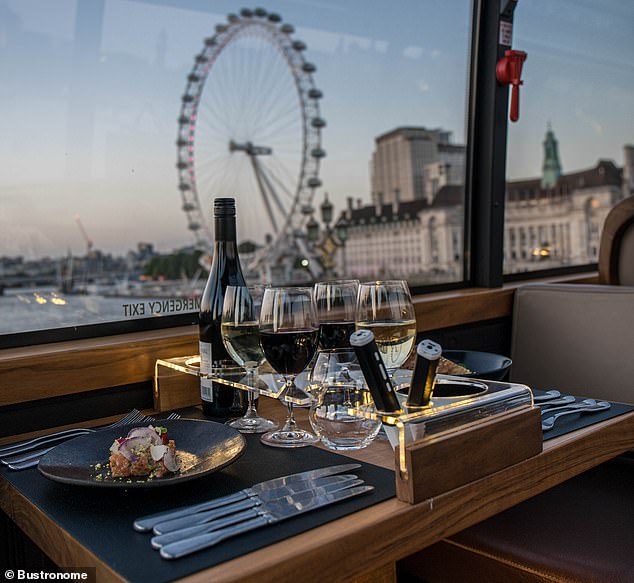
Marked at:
<point>415,230</point>
<point>556,220</point>
<point>413,240</point>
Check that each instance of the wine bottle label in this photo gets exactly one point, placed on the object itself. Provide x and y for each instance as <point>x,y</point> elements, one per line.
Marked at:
<point>206,394</point>
<point>205,357</point>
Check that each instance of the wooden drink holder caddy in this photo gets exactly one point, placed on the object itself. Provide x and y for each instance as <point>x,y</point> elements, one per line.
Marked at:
<point>454,441</point>
<point>461,439</point>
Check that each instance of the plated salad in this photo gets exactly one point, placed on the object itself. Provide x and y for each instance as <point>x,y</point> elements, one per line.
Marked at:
<point>145,451</point>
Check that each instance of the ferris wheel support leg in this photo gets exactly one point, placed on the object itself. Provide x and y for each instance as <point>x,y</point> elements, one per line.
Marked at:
<point>267,182</point>
<point>265,197</point>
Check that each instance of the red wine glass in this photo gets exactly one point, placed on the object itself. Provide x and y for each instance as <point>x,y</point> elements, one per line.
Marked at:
<point>336,302</point>
<point>288,335</point>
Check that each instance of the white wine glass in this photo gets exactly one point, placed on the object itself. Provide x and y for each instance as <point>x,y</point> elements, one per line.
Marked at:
<point>289,331</point>
<point>385,308</point>
<point>241,337</point>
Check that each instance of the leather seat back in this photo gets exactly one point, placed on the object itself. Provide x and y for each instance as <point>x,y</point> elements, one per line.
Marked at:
<point>626,257</point>
<point>575,338</point>
<point>616,252</point>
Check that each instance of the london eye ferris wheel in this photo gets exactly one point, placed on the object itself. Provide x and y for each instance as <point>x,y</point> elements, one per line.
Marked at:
<point>250,127</point>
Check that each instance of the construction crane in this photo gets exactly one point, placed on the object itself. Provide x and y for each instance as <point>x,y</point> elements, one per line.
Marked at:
<point>89,244</point>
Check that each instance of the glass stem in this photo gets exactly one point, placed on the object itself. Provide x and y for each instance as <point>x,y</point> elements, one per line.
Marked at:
<point>251,412</point>
<point>290,424</point>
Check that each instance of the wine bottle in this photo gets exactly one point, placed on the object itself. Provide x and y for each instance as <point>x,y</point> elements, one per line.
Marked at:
<point>219,400</point>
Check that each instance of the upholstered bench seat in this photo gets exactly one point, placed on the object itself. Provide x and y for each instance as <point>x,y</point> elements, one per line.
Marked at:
<point>581,531</point>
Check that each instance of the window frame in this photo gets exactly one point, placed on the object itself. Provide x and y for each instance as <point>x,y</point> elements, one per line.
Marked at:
<point>485,183</point>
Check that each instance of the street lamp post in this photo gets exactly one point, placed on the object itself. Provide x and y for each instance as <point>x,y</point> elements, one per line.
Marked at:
<point>342,233</point>
<point>325,244</point>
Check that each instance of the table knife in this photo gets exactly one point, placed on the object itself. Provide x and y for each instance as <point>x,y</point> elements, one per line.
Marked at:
<point>338,482</point>
<point>220,522</point>
<point>146,523</point>
<point>270,513</point>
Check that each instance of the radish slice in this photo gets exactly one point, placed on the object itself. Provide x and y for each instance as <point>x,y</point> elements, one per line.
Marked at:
<point>148,433</point>
<point>170,461</point>
<point>157,452</point>
<point>127,447</point>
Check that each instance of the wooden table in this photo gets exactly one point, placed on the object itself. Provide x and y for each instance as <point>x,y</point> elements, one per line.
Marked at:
<point>364,546</point>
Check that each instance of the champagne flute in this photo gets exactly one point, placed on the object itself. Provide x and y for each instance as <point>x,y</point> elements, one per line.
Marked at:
<point>386,308</point>
<point>288,336</point>
<point>241,337</point>
<point>336,303</point>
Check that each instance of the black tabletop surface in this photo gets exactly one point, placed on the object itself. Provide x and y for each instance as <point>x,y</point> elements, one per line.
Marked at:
<point>101,519</point>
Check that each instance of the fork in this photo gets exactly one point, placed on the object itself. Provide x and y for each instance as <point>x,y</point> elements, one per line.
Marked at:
<point>23,446</point>
<point>31,460</point>
<point>572,406</point>
<point>9,458</point>
<point>549,422</point>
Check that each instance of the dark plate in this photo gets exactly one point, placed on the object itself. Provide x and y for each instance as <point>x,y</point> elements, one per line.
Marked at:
<point>202,446</point>
<point>485,365</point>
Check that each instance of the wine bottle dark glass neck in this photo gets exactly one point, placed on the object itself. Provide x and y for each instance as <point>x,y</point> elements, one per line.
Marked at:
<point>225,229</point>
<point>227,250</point>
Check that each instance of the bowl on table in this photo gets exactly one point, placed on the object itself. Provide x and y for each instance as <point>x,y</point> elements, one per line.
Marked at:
<point>484,365</point>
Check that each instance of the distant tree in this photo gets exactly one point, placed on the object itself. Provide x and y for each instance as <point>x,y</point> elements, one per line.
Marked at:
<point>173,265</point>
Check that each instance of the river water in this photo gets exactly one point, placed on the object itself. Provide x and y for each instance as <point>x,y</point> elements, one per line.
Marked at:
<point>23,310</point>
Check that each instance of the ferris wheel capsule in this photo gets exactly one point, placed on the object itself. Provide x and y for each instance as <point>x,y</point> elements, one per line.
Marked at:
<point>308,209</point>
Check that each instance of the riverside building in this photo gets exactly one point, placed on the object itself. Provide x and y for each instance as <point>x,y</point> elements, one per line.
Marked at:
<point>414,227</point>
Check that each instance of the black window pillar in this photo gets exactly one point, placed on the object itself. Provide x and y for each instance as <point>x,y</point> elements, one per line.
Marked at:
<point>487,131</point>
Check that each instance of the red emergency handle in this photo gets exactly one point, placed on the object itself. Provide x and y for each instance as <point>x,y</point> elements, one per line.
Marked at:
<point>509,72</point>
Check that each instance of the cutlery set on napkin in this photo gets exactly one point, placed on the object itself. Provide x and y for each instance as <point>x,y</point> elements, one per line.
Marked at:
<point>180,532</point>
<point>554,405</point>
